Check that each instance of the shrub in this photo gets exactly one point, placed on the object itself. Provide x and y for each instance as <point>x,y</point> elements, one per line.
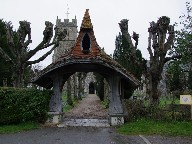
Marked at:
<point>105,103</point>
<point>137,109</point>
<point>21,105</point>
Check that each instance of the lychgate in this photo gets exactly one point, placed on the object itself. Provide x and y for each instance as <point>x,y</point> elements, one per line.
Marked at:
<point>87,56</point>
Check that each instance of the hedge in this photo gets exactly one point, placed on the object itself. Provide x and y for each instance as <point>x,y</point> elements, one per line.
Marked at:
<point>138,109</point>
<point>20,105</point>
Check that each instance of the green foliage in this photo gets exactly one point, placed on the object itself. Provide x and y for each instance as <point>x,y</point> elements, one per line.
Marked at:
<point>190,80</point>
<point>99,85</point>
<point>151,127</point>
<point>118,48</point>
<point>5,129</point>
<point>5,68</point>
<point>135,109</point>
<point>122,54</point>
<point>167,110</point>
<point>184,36</point>
<point>105,103</point>
<point>174,76</point>
<point>66,105</point>
<point>180,71</point>
<point>21,105</point>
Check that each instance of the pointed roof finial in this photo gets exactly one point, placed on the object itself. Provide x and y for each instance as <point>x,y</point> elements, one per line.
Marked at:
<point>86,22</point>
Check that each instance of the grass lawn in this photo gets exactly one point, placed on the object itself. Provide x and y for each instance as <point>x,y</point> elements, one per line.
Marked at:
<point>163,102</point>
<point>67,107</point>
<point>18,128</point>
<point>150,127</point>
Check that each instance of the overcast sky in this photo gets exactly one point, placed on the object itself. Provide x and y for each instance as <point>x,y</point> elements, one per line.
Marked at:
<point>105,16</point>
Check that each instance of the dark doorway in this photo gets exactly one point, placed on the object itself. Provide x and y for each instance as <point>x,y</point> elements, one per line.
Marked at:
<point>91,88</point>
<point>86,43</point>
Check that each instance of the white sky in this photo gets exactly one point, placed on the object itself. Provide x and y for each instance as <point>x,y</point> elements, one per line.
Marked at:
<point>105,16</point>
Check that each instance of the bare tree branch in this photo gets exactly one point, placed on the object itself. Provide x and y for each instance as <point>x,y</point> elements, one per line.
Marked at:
<point>38,48</point>
<point>9,36</point>
<point>175,57</point>
<point>48,34</point>
<point>4,55</point>
<point>26,44</point>
<point>170,39</point>
<point>41,58</point>
<point>149,45</point>
<point>157,49</point>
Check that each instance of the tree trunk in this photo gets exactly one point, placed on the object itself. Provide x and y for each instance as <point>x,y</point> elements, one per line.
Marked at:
<point>79,86</point>
<point>154,93</point>
<point>18,76</point>
<point>81,79</point>
<point>75,86</point>
<point>69,99</point>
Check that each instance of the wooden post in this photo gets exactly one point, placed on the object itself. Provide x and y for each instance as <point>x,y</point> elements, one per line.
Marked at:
<point>186,99</point>
<point>191,111</point>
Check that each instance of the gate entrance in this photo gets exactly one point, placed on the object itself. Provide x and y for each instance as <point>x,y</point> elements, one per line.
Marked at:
<point>87,57</point>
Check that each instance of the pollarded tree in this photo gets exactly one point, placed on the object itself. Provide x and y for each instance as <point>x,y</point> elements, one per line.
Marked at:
<point>160,41</point>
<point>18,44</point>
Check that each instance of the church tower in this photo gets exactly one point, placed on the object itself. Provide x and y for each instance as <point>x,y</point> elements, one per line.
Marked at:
<point>69,40</point>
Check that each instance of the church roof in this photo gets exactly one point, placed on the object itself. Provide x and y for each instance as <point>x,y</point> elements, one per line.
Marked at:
<point>85,52</point>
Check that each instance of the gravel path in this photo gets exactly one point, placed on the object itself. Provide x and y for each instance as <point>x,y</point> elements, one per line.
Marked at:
<point>88,108</point>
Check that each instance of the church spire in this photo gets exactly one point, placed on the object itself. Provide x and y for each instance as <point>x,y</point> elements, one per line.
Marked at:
<point>86,22</point>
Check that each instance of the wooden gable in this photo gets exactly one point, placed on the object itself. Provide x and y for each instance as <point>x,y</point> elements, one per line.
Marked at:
<point>86,44</point>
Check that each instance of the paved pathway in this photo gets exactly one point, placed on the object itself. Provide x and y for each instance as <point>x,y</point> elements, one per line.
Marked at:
<point>84,135</point>
<point>88,108</point>
<point>88,112</point>
<point>69,135</point>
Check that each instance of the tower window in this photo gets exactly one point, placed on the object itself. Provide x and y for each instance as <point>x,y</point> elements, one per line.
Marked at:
<point>86,44</point>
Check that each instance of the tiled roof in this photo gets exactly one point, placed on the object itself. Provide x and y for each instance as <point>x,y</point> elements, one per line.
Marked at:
<point>94,55</point>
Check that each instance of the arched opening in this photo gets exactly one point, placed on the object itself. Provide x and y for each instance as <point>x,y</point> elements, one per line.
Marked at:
<point>109,79</point>
<point>86,43</point>
<point>91,88</point>
<point>84,85</point>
